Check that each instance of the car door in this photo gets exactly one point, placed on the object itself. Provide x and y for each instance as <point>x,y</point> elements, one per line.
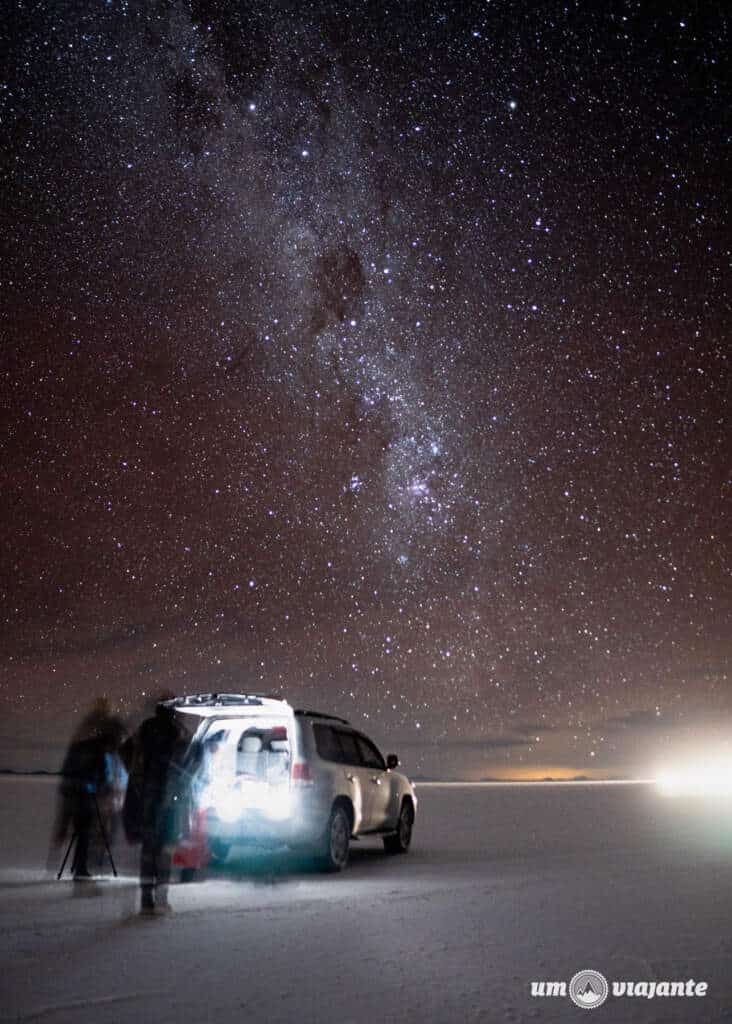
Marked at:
<point>356,775</point>
<point>378,784</point>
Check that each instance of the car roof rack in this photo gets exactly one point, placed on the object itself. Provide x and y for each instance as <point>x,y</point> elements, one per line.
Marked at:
<point>320,714</point>
<point>212,700</point>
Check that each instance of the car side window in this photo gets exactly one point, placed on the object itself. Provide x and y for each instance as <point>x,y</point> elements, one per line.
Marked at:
<point>326,743</point>
<point>370,756</point>
<point>350,753</point>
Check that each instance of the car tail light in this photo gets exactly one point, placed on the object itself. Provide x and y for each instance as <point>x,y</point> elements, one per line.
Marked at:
<point>301,775</point>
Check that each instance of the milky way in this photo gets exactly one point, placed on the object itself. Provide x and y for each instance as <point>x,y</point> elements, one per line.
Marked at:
<point>375,355</point>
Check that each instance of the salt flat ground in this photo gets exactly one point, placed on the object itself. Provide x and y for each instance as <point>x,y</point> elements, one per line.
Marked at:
<point>504,885</point>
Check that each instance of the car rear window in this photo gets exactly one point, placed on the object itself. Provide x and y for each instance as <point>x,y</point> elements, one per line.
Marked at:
<point>263,752</point>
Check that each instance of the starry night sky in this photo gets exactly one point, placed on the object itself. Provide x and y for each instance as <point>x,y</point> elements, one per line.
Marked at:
<point>375,354</point>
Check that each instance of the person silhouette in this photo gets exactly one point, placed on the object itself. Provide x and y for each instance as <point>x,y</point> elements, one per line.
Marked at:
<point>155,800</point>
<point>84,780</point>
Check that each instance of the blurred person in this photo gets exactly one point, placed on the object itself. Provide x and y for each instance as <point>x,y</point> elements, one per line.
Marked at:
<point>99,722</point>
<point>85,784</point>
<point>155,807</point>
<point>111,793</point>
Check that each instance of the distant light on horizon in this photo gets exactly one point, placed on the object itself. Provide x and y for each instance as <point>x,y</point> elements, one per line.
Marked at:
<point>705,778</point>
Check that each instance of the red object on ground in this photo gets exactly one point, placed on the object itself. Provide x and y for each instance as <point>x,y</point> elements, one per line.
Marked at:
<point>192,852</point>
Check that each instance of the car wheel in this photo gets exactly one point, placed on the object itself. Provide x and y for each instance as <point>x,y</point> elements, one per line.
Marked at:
<point>336,840</point>
<point>187,874</point>
<point>399,841</point>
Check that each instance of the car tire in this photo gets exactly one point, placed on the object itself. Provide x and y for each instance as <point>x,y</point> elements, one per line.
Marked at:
<point>336,840</point>
<point>400,841</point>
<point>187,874</point>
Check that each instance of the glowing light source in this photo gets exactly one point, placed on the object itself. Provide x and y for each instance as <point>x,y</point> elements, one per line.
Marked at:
<point>232,801</point>
<point>706,778</point>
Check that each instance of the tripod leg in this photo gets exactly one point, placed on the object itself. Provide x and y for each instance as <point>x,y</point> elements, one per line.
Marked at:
<point>66,856</point>
<point>103,830</point>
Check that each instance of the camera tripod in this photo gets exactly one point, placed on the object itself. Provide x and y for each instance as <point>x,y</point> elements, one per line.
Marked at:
<point>105,840</point>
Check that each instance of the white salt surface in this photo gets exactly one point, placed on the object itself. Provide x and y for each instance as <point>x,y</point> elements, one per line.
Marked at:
<point>505,885</point>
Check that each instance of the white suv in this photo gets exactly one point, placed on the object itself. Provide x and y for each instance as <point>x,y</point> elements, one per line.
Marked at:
<point>269,774</point>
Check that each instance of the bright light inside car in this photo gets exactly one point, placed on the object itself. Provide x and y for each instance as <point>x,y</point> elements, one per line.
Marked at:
<point>279,805</point>
<point>230,802</point>
<point>707,778</point>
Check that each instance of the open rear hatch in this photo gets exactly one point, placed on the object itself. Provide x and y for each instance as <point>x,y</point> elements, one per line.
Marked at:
<point>245,767</point>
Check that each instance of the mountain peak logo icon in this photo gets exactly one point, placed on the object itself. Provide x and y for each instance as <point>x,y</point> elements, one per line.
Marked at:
<point>588,989</point>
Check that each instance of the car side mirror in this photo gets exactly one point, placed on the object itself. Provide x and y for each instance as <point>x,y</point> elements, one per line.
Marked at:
<point>392,761</point>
